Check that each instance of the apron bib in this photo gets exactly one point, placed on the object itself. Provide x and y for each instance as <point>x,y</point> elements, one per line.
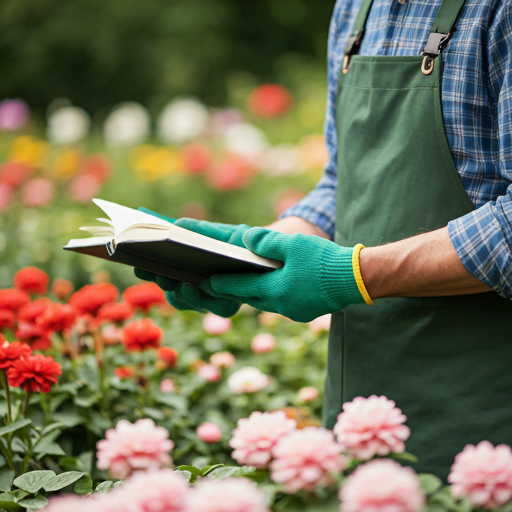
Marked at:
<point>445,361</point>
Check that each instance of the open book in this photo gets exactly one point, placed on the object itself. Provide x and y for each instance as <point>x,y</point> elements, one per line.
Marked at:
<point>141,240</point>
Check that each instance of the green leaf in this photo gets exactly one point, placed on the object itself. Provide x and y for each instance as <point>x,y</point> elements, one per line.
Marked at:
<point>407,457</point>
<point>48,449</point>
<point>38,501</point>
<point>14,426</point>
<point>33,481</point>
<point>186,474</point>
<point>51,428</point>
<point>87,399</point>
<point>208,469</point>
<point>104,486</point>
<point>154,414</point>
<point>226,471</point>
<point>9,500</point>
<point>194,472</point>
<point>6,478</point>
<point>429,483</point>
<point>63,480</point>
<point>84,485</point>
<point>69,418</point>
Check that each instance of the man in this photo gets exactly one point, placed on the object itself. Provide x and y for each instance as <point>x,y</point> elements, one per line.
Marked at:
<point>419,133</point>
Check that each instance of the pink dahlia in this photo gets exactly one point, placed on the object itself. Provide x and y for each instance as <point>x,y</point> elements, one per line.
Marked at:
<point>209,372</point>
<point>128,447</point>
<point>156,491</point>
<point>222,359</point>
<point>66,503</point>
<point>215,325</point>
<point>263,342</point>
<point>255,437</point>
<point>209,432</point>
<point>308,393</point>
<point>371,426</point>
<point>227,495</point>
<point>382,486</point>
<point>167,386</point>
<point>483,474</point>
<point>306,458</point>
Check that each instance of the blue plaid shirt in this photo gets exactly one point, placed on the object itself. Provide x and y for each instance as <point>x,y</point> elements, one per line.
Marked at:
<point>477,110</point>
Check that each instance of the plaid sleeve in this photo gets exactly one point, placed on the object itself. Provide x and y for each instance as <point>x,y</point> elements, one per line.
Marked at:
<point>319,206</point>
<point>483,238</point>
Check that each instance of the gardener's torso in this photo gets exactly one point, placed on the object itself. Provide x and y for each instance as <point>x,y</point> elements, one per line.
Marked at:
<point>445,361</point>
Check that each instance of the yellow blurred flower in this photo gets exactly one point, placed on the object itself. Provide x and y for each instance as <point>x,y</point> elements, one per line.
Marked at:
<point>152,163</point>
<point>67,163</point>
<point>313,152</point>
<point>28,150</point>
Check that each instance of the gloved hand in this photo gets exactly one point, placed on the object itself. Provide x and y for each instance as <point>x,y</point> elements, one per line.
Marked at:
<point>185,296</point>
<point>318,276</point>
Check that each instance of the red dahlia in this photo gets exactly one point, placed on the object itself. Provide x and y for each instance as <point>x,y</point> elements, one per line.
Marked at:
<point>32,280</point>
<point>168,355</point>
<point>270,100</point>
<point>29,312</point>
<point>10,352</point>
<point>62,288</point>
<point>7,319</point>
<point>34,373</point>
<point>34,335</point>
<point>116,312</point>
<point>124,372</point>
<point>13,299</point>
<point>57,318</point>
<point>141,335</point>
<point>144,296</point>
<point>91,297</point>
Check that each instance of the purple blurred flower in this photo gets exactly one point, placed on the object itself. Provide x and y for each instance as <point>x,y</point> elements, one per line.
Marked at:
<point>13,115</point>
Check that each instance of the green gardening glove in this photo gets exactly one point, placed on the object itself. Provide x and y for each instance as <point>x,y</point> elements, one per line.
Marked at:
<point>228,233</point>
<point>317,277</point>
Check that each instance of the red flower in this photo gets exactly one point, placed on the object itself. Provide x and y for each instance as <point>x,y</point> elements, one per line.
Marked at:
<point>144,296</point>
<point>231,173</point>
<point>91,297</point>
<point>34,373</point>
<point>97,166</point>
<point>58,318</point>
<point>34,335</point>
<point>168,355</point>
<point>270,100</point>
<point>29,312</point>
<point>13,299</point>
<point>32,280</point>
<point>141,335</point>
<point>62,288</point>
<point>7,319</point>
<point>13,174</point>
<point>124,372</point>
<point>10,352</point>
<point>197,158</point>
<point>116,312</point>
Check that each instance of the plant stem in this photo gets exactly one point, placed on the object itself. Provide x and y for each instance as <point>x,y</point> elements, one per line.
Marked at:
<point>25,404</point>
<point>5,385</point>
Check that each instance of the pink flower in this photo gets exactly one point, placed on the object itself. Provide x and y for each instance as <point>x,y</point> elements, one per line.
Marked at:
<point>84,187</point>
<point>209,372</point>
<point>215,325</point>
<point>227,495</point>
<point>320,324</point>
<point>5,196</point>
<point>371,426</point>
<point>247,380</point>
<point>66,503</point>
<point>306,458</point>
<point>222,359</point>
<point>263,342</point>
<point>167,386</point>
<point>255,437</point>
<point>128,447</point>
<point>308,394</point>
<point>483,474</point>
<point>209,432</point>
<point>156,491</point>
<point>37,192</point>
<point>13,115</point>
<point>382,486</point>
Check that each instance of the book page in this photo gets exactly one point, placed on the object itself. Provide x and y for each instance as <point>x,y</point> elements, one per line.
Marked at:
<point>123,217</point>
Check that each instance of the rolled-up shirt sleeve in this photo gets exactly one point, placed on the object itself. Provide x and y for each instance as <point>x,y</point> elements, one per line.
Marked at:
<point>319,206</point>
<point>483,238</point>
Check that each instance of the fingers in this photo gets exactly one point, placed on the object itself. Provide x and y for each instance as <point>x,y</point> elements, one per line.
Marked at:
<point>219,306</point>
<point>268,243</point>
<point>167,284</point>
<point>241,286</point>
<point>215,230</point>
<point>144,275</point>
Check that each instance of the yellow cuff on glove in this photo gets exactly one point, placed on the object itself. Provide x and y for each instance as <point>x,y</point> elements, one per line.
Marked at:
<point>357,274</point>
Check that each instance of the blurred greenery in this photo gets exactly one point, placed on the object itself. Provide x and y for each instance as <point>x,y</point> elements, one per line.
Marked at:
<point>99,53</point>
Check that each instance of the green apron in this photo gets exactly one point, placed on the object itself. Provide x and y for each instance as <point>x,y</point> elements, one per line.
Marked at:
<point>446,361</point>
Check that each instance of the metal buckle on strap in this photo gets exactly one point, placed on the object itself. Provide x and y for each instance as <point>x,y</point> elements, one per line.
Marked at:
<point>351,48</point>
<point>434,46</point>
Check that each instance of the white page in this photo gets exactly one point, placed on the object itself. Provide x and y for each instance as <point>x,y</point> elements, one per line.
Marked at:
<point>123,217</point>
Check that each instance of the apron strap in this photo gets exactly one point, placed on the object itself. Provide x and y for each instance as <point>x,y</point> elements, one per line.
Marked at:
<point>440,33</point>
<point>356,38</point>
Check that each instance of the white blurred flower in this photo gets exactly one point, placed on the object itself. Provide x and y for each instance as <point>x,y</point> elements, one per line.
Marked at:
<point>245,139</point>
<point>127,125</point>
<point>247,380</point>
<point>68,125</point>
<point>182,120</point>
<point>281,159</point>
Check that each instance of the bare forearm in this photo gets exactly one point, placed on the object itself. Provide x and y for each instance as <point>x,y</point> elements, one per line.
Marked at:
<point>292,225</point>
<point>422,266</point>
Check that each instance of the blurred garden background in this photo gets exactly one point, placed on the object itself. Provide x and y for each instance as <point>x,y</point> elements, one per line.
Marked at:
<point>204,108</point>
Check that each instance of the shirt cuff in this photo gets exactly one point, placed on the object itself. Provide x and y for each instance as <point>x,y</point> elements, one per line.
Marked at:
<point>319,208</point>
<point>480,243</point>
